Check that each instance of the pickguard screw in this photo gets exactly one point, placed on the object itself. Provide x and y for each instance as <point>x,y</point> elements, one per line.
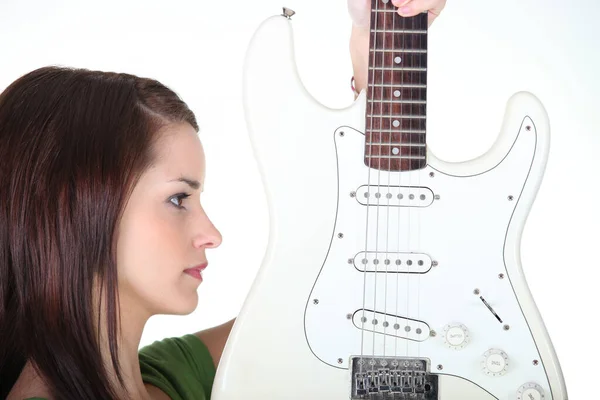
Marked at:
<point>476,291</point>
<point>506,327</point>
<point>348,316</point>
<point>437,197</point>
<point>340,235</point>
<point>433,333</point>
<point>316,301</point>
<point>339,360</point>
<point>510,198</point>
<point>342,133</point>
<point>350,261</point>
<point>501,276</point>
<point>535,362</point>
<point>440,367</point>
<point>434,263</point>
<point>431,174</point>
<point>352,194</point>
<point>528,128</point>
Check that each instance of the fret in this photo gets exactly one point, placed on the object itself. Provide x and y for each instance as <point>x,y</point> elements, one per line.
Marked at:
<point>396,137</point>
<point>404,85</point>
<point>395,109</point>
<point>423,51</point>
<point>396,157</point>
<point>397,116</point>
<point>374,124</point>
<point>400,131</point>
<point>398,69</point>
<point>397,101</point>
<point>395,164</point>
<point>383,40</point>
<point>396,92</point>
<point>418,60</point>
<point>396,144</point>
<point>387,21</point>
<point>400,151</point>
<point>398,31</point>
<point>402,77</point>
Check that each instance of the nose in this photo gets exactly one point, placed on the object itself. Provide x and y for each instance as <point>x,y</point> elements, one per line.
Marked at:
<point>207,235</point>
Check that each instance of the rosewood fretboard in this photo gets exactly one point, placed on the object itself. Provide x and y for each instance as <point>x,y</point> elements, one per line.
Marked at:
<point>397,90</point>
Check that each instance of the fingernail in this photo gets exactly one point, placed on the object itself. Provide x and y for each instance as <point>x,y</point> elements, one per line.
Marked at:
<point>404,10</point>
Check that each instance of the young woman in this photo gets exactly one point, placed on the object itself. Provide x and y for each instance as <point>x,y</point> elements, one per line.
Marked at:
<point>101,227</point>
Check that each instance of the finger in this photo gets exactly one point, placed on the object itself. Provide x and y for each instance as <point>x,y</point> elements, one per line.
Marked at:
<point>414,7</point>
<point>400,3</point>
<point>359,11</point>
<point>431,16</point>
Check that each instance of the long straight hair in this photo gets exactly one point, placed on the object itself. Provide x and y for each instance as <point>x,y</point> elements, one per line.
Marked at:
<point>73,144</point>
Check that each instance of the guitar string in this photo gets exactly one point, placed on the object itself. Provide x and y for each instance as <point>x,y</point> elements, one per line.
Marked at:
<point>399,195</point>
<point>375,322</point>
<point>422,19</point>
<point>411,197</point>
<point>388,195</point>
<point>370,132</point>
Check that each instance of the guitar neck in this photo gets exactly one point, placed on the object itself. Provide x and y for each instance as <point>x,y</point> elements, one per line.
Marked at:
<point>396,91</point>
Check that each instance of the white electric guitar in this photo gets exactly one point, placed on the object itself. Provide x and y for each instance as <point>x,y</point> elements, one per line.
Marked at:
<point>389,274</point>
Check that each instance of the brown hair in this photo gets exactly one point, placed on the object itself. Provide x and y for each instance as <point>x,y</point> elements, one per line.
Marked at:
<point>73,144</point>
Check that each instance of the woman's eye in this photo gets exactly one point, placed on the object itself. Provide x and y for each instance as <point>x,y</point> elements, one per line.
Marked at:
<point>177,200</point>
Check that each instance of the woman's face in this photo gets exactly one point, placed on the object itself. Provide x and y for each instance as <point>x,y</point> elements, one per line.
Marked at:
<point>164,229</point>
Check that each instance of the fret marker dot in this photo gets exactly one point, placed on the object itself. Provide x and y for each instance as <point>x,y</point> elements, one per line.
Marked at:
<point>398,60</point>
<point>397,93</point>
<point>396,123</point>
<point>395,151</point>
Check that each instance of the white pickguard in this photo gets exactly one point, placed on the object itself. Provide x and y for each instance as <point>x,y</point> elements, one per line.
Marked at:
<point>286,345</point>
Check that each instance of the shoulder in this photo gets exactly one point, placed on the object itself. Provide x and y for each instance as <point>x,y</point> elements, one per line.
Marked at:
<point>215,339</point>
<point>186,349</point>
<point>182,367</point>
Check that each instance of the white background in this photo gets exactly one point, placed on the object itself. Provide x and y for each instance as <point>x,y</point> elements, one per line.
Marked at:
<point>481,52</point>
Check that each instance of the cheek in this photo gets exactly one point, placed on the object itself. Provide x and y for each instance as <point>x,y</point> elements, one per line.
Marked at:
<point>149,251</point>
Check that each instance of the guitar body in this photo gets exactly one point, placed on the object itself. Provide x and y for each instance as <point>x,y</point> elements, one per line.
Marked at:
<point>416,271</point>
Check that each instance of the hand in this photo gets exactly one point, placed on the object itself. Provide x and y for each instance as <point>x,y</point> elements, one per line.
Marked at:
<point>360,10</point>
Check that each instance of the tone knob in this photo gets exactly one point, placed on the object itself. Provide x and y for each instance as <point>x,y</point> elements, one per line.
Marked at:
<point>456,336</point>
<point>530,391</point>
<point>495,362</point>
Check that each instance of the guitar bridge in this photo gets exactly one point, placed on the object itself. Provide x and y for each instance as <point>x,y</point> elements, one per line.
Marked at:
<point>392,378</point>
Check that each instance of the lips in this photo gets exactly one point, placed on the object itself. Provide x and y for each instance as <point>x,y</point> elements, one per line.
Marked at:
<point>196,271</point>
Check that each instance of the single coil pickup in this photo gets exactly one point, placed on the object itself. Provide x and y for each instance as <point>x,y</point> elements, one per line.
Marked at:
<point>386,262</point>
<point>394,196</point>
<point>391,325</point>
<point>390,377</point>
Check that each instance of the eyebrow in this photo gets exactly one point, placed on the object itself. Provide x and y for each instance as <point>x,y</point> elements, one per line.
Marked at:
<point>193,183</point>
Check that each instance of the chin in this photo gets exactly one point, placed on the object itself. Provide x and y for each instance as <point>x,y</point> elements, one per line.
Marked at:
<point>184,306</point>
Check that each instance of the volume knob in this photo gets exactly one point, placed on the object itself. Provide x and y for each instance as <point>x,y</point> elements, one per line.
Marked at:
<point>530,391</point>
<point>495,362</point>
<point>456,336</point>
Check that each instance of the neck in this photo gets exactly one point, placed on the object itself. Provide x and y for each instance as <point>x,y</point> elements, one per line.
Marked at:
<point>396,90</point>
<point>132,325</point>
<point>31,384</point>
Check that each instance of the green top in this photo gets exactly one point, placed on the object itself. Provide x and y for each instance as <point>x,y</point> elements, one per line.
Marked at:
<point>182,367</point>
